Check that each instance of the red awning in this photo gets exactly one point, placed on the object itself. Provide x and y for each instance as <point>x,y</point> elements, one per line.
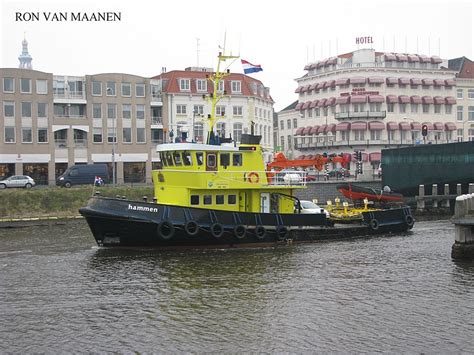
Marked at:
<point>429,125</point>
<point>427,100</point>
<point>438,100</point>
<point>415,99</point>
<point>343,81</point>
<point>375,157</point>
<point>439,82</point>
<point>365,157</point>
<point>450,126</point>
<point>314,130</point>
<point>413,58</point>
<point>358,99</point>
<point>330,83</point>
<point>343,99</point>
<point>331,128</point>
<point>307,67</point>
<point>376,98</point>
<point>376,125</point>
<point>298,89</point>
<point>392,81</point>
<point>307,130</point>
<point>306,105</point>
<point>450,100</point>
<point>343,126</point>
<point>404,126</point>
<point>416,126</point>
<point>415,81</point>
<point>320,85</point>
<point>438,126</point>
<point>436,60</point>
<point>320,64</point>
<point>331,101</point>
<point>299,131</point>
<point>425,59</point>
<point>313,66</point>
<point>376,80</point>
<point>404,81</point>
<point>314,104</point>
<point>391,99</point>
<point>358,126</point>
<point>402,58</point>
<point>357,80</point>
<point>303,88</point>
<point>392,126</point>
<point>299,105</point>
<point>312,87</point>
<point>428,82</point>
<point>332,61</point>
<point>322,103</point>
<point>450,82</point>
<point>322,128</point>
<point>404,99</point>
<point>389,57</point>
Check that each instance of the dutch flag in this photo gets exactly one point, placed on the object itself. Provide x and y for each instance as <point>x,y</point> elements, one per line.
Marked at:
<point>250,68</point>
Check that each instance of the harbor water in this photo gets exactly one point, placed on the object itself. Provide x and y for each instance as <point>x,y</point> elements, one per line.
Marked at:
<point>59,293</point>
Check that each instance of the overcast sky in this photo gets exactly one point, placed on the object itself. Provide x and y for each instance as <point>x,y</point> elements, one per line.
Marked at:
<point>282,36</point>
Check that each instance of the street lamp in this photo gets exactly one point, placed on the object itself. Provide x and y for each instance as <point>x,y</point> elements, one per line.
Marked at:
<point>192,128</point>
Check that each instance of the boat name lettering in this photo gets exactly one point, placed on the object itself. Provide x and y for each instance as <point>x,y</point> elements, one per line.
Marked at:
<point>142,208</point>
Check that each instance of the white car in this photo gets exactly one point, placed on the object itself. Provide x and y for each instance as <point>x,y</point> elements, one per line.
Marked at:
<point>17,181</point>
<point>308,207</point>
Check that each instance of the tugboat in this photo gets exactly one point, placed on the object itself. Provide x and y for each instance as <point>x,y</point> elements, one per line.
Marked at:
<point>220,195</point>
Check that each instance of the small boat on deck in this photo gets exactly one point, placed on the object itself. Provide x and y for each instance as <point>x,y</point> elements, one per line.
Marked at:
<point>355,192</point>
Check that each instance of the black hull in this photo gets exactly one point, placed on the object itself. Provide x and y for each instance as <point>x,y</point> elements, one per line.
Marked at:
<point>117,222</point>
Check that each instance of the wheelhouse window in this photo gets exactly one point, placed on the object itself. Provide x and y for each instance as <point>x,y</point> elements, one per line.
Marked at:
<point>194,200</point>
<point>211,161</point>
<point>232,199</point>
<point>200,158</point>
<point>225,159</point>
<point>169,159</point>
<point>187,158</point>
<point>207,199</point>
<point>163,159</point>
<point>237,159</point>
<point>177,159</point>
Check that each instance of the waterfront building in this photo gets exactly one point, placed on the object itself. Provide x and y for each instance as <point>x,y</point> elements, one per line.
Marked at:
<point>367,100</point>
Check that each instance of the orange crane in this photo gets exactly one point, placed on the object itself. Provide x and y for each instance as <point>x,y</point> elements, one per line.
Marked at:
<point>318,161</point>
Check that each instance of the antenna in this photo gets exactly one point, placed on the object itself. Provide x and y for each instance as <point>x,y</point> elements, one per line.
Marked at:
<point>439,46</point>
<point>417,50</point>
<point>197,52</point>
<point>383,43</point>
<point>337,46</point>
<point>429,45</point>
<point>406,44</point>
<point>330,52</point>
<point>394,51</point>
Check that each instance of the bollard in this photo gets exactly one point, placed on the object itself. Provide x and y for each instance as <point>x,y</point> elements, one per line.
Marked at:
<point>446,203</point>
<point>435,193</point>
<point>420,202</point>
<point>145,199</point>
<point>471,188</point>
<point>155,200</point>
<point>463,247</point>
<point>460,206</point>
<point>458,189</point>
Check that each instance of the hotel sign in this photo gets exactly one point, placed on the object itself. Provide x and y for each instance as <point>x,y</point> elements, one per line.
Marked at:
<point>364,40</point>
<point>359,91</point>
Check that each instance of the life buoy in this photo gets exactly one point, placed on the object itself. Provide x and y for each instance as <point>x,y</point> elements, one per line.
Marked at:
<point>217,230</point>
<point>165,230</point>
<point>253,177</point>
<point>374,224</point>
<point>409,221</point>
<point>191,228</point>
<point>260,232</point>
<point>240,231</point>
<point>281,232</point>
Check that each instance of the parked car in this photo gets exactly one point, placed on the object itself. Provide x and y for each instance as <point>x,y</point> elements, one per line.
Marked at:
<point>309,207</point>
<point>84,174</point>
<point>17,181</point>
<point>339,173</point>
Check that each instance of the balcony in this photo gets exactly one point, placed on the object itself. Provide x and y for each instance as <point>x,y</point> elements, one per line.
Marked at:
<point>360,114</point>
<point>156,99</point>
<point>69,97</point>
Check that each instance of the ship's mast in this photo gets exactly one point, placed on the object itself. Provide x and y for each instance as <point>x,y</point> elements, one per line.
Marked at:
<point>215,78</point>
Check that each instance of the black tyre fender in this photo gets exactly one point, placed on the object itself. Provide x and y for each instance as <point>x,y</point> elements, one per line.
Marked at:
<point>240,231</point>
<point>410,221</point>
<point>191,228</point>
<point>260,232</point>
<point>217,230</point>
<point>165,230</point>
<point>281,232</point>
<point>374,224</point>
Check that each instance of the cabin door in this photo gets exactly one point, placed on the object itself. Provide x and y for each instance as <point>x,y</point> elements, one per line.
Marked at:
<point>242,201</point>
<point>265,202</point>
<point>211,161</point>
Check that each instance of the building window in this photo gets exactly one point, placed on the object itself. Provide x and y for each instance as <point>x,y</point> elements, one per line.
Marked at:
<point>96,88</point>
<point>126,111</point>
<point>459,114</point>
<point>25,86</point>
<point>470,94</point>
<point>127,135</point>
<point>414,108</point>
<point>359,135</point>
<point>448,109</point>
<point>26,109</point>
<point>317,112</point>
<point>8,85</point>
<point>295,122</point>
<point>426,108</point>
<point>220,129</point>
<point>41,87</point>
<point>141,135</point>
<point>97,132</point>
<point>126,89</point>
<point>282,124</point>
<point>220,86</point>
<point>288,139</point>
<point>358,108</point>
<point>180,109</point>
<point>184,84</point>
<point>437,108</point>
<point>110,91</point>
<point>470,113</point>
<point>198,132</point>
<point>344,135</point>
<point>237,110</point>
<point>42,135</point>
<point>111,135</point>
<point>26,135</point>
<point>402,108</point>
<point>8,108</point>
<point>237,131</point>
<point>111,110</point>
<point>10,135</point>
<point>282,142</point>
<point>96,110</point>
<point>201,85</point>
<point>220,110</point>
<point>375,135</point>
<point>236,86</point>
<point>42,109</point>
<point>459,93</point>
<point>140,90</point>
<point>310,112</point>
<point>140,112</point>
<point>288,124</point>
<point>198,109</point>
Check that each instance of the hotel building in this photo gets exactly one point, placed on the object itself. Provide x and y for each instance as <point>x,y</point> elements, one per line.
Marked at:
<point>368,101</point>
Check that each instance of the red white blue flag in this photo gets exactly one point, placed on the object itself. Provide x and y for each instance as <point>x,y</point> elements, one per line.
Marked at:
<point>250,68</point>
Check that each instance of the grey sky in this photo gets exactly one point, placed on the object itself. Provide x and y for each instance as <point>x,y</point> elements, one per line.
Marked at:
<point>281,36</point>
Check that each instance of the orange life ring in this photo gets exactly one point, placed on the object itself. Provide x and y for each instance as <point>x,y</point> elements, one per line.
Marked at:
<point>255,180</point>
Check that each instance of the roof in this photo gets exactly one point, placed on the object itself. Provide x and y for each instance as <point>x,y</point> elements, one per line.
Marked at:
<point>464,66</point>
<point>171,85</point>
<point>290,107</point>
